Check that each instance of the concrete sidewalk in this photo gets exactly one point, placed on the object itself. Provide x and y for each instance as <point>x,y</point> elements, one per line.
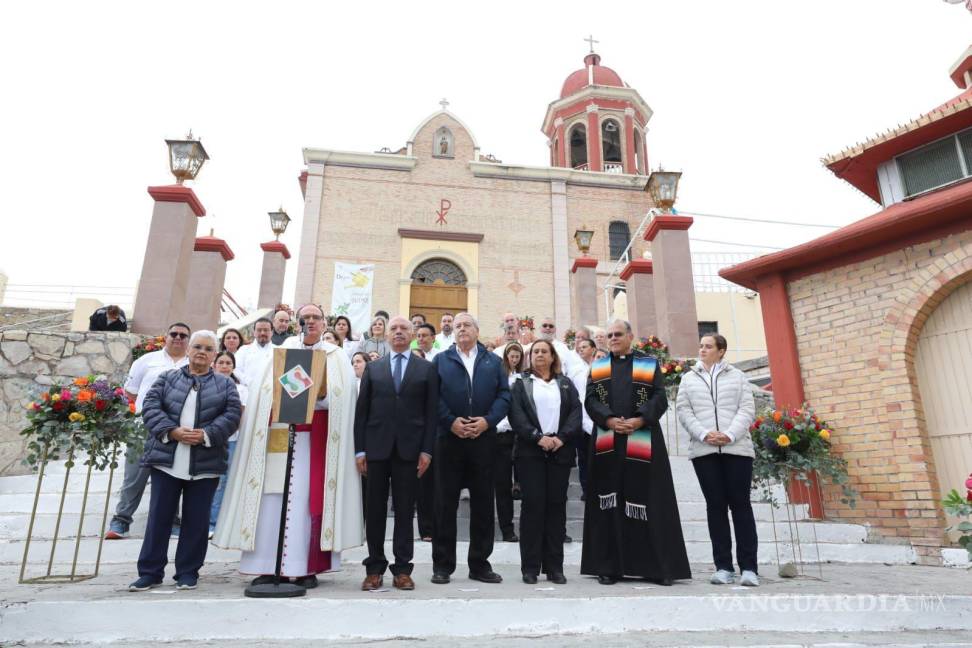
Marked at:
<point>852,599</point>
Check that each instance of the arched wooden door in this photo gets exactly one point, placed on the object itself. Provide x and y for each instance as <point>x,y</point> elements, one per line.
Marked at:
<point>438,286</point>
<point>944,376</point>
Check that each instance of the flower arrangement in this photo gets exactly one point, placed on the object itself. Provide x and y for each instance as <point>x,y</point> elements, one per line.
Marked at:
<point>794,443</point>
<point>527,321</point>
<point>672,368</point>
<point>91,414</point>
<point>147,346</point>
<point>958,506</point>
<point>570,337</point>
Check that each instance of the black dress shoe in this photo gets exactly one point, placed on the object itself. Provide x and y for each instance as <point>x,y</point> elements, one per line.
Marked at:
<point>267,580</point>
<point>530,579</point>
<point>510,537</point>
<point>440,578</point>
<point>607,580</point>
<point>567,539</point>
<point>557,578</point>
<point>307,582</point>
<point>664,582</point>
<point>486,577</point>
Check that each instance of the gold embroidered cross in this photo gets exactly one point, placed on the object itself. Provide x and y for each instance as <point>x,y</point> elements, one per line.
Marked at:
<point>642,396</point>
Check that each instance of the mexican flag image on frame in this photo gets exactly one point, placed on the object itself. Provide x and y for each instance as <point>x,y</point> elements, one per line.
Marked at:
<point>299,379</point>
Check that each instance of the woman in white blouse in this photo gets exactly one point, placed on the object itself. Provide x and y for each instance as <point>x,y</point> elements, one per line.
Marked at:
<point>545,415</point>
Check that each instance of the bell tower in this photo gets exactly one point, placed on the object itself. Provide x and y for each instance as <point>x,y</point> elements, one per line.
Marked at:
<point>599,122</point>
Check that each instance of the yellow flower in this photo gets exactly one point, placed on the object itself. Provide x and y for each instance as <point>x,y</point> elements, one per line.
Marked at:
<point>75,417</point>
<point>825,434</point>
<point>782,440</point>
<point>55,397</point>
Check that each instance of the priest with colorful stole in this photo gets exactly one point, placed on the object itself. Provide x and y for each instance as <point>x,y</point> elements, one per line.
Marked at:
<point>631,523</point>
<point>324,514</point>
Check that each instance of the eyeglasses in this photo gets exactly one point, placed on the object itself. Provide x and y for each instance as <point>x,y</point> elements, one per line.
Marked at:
<point>202,347</point>
<point>615,334</point>
<point>176,335</point>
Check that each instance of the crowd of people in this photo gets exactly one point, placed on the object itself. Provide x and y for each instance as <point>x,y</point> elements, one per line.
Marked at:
<point>423,415</point>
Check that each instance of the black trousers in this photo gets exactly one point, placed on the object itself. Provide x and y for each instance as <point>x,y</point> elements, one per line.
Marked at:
<point>197,498</point>
<point>462,463</point>
<point>503,482</point>
<point>425,504</point>
<point>583,448</point>
<point>402,476</point>
<point>543,514</point>
<point>726,481</point>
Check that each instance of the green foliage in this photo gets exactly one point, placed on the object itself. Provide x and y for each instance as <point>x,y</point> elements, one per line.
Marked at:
<point>958,506</point>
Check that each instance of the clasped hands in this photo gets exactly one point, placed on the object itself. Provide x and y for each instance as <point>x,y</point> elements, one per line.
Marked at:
<point>550,443</point>
<point>623,425</point>
<point>717,438</point>
<point>469,428</point>
<point>188,436</point>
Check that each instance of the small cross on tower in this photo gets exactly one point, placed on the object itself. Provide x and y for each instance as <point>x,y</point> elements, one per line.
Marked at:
<point>444,103</point>
<point>590,40</point>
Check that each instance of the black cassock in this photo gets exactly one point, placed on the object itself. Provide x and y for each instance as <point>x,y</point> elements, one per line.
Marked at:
<point>631,522</point>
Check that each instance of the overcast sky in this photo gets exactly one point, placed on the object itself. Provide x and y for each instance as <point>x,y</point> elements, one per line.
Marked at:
<point>747,96</point>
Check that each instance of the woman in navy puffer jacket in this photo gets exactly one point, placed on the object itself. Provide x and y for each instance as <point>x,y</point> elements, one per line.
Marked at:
<point>189,415</point>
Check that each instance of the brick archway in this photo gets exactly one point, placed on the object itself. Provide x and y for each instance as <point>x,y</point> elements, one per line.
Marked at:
<point>902,419</point>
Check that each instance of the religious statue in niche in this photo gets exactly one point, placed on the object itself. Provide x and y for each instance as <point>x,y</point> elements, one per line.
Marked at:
<point>442,143</point>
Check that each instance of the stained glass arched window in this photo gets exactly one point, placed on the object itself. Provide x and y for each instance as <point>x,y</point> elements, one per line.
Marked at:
<point>439,270</point>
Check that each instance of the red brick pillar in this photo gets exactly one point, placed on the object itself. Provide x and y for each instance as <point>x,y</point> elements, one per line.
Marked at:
<point>593,140</point>
<point>629,142</point>
<point>207,274</point>
<point>161,296</point>
<point>640,292</point>
<point>678,322</point>
<point>585,291</point>
<point>561,158</point>
<point>275,255</point>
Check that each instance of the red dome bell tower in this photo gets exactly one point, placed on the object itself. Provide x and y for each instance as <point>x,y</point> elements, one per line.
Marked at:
<point>599,122</point>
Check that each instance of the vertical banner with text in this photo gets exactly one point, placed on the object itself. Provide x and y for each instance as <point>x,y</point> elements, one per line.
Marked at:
<point>351,294</point>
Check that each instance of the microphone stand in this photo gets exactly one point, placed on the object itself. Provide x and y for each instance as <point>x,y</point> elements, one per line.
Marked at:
<point>276,589</point>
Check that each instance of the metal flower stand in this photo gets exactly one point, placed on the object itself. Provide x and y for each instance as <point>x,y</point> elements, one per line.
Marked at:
<point>73,576</point>
<point>796,550</point>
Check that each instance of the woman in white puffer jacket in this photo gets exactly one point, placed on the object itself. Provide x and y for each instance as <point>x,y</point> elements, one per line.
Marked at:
<point>715,405</point>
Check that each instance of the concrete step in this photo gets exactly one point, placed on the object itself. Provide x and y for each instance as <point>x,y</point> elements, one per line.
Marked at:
<point>126,551</point>
<point>850,600</point>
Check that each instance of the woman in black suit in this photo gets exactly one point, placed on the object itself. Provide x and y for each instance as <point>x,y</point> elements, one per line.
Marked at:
<point>545,415</point>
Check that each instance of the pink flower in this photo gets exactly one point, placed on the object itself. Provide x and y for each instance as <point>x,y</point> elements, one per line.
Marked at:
<point>65,395</point>
<point>968,482</point>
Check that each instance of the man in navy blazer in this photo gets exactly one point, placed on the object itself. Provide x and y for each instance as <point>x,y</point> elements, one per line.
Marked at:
<point>474,396</point>
<point>394,432</point>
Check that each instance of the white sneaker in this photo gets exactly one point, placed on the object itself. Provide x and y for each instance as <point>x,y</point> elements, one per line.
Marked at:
<point>749,579</point>
<point>723,577</point>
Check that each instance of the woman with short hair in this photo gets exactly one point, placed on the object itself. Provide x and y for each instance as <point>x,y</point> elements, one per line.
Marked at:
<point>715,405</point>
<point>375,342</point>
<point>545,415</point>
<point>189,415</point>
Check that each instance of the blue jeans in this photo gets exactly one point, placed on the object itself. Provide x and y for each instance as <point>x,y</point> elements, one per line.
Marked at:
<point>218,497</point>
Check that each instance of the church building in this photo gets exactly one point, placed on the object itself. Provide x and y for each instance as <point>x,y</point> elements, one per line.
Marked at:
<point>449,228</point>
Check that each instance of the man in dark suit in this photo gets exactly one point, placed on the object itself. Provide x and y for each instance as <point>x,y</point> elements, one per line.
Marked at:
<point>474,396</point>
<point>394,433</point>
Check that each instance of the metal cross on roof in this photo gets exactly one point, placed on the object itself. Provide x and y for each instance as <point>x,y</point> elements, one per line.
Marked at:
<point>590,40</point>
<point>444,103</point>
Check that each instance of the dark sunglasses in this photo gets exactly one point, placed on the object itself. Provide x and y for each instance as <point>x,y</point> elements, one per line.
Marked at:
<point>615,334</point>
<point>176,335</point>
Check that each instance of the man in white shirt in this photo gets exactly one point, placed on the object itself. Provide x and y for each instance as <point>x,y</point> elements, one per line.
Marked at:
<point>425,337</point>
<point>446,337</point>
<point>252,358</point>
<point>572,365</point>
<point>141,376</point>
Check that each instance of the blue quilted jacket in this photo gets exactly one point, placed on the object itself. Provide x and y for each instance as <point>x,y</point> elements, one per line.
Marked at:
<point>217,413</point>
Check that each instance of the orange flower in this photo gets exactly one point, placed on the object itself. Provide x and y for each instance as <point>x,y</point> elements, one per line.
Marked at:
<point>84,395</point>
<point>81,382</point>
<point>777,416</point>
<point>131,407</point>
<point>46,396</point>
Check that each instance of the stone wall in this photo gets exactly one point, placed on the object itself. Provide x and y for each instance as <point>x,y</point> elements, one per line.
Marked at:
<point>857,328</point>
<point>30,361</point>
